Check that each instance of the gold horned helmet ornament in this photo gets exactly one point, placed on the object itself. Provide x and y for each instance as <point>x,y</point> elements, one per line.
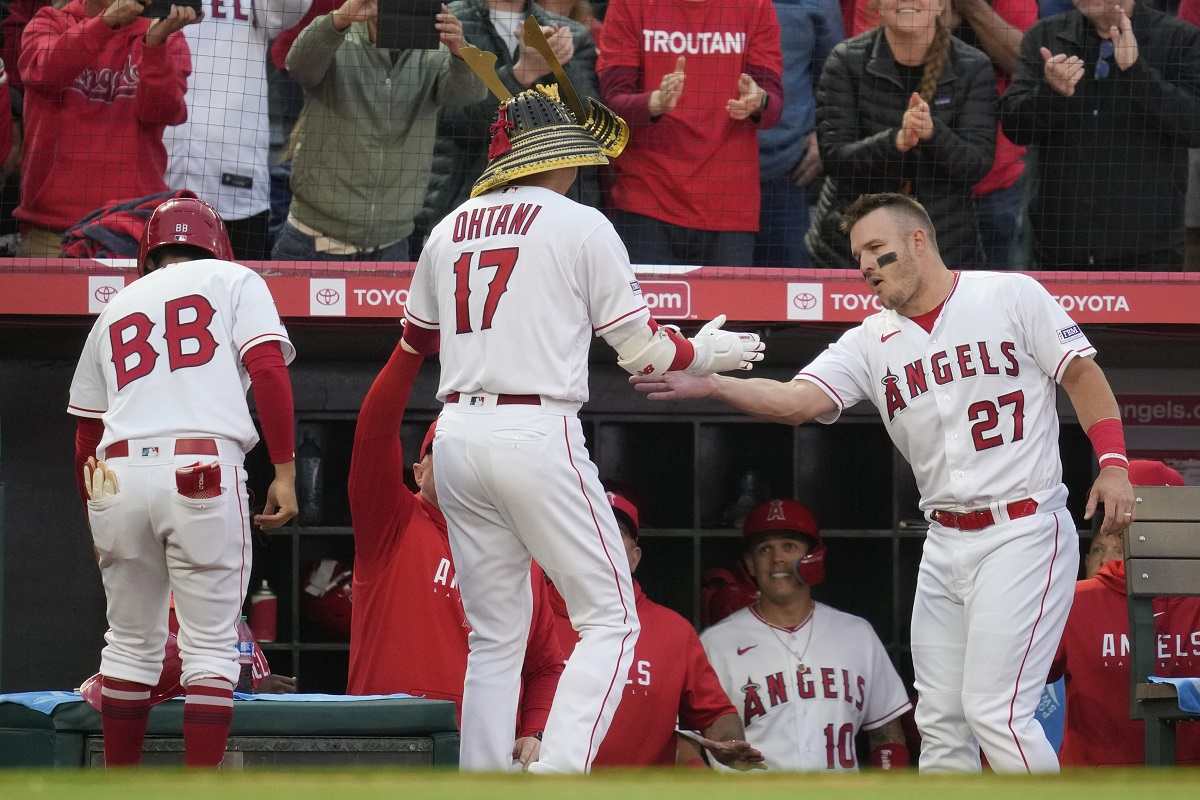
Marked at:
<point>543,128</point>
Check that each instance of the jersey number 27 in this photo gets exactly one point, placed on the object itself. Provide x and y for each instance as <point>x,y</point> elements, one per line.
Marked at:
<point>504,261</point>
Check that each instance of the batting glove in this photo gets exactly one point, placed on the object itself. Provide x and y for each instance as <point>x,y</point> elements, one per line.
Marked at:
<point>100,480</point>
<point>724,351</point>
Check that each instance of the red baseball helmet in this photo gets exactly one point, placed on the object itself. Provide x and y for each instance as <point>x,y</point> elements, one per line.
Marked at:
<point>789,516</point>
<point>184,220</point>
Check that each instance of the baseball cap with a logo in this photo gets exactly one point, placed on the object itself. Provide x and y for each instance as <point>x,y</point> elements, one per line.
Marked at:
<point>781,516</point>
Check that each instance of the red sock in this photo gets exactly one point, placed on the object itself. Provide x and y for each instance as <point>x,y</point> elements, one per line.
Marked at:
<point>124,705</point>
<point>207,714</point>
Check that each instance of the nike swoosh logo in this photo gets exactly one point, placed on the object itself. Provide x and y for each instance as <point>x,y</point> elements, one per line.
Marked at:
<point>743,650</point>
<point>1159,613</point>
<point>887,336</point>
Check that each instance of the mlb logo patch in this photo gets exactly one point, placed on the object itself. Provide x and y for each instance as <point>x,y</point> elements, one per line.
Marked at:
<point>636,286</point>
<point>149,452</point>
<point>943,100</point>
<point>477,400</point>
<point>1068,333</point>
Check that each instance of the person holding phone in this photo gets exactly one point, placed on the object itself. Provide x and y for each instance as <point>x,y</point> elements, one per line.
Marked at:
<point>362,148</point>
<point>102,82</point>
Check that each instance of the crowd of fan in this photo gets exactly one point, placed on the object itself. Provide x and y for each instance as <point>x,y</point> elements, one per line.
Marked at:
<point>1056,143</point>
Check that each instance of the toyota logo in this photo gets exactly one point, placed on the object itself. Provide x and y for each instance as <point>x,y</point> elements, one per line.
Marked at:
<point>104,293</point>
<point>805,301</point>
<point>328,297</point>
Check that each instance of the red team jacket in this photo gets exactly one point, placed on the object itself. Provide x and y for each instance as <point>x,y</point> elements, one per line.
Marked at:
<point>408,630</point>
<point>690,167</point>
<point>1094,658</point>
<point>96,103</point>
<point>670,679</point>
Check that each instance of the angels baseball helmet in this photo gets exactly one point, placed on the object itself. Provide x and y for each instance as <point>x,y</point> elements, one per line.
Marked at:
<point>184,220</point>
<point>543,128</point>
<point>790,517</point>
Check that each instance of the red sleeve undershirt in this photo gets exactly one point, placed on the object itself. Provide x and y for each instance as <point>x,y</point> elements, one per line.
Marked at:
<point>380,504</point>
<point>543,662</point>
<point>273,397</point>
<point>88,433</point>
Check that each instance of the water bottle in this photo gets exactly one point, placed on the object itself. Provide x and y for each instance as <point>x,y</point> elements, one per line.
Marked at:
<point>310,481</point>
<point>245,648</point>
<point>264,606</point>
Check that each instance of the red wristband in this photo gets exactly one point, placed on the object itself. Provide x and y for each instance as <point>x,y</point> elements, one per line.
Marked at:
<point>889,756</point>
<point>1108,442</point>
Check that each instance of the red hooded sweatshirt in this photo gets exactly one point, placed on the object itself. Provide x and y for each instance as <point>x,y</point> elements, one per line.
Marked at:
<point>96,103</point>
<point>1094,656</point>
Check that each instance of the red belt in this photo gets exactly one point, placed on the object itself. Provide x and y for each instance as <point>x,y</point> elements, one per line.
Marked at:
<point>183,447</point>
<point>978,520</point>
<point>505,399</point>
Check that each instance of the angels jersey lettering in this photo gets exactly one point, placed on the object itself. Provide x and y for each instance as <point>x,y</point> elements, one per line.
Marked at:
<point>517,302</point>
<point>972,404</point>
<point>804,694</point>
<point>166,353</point>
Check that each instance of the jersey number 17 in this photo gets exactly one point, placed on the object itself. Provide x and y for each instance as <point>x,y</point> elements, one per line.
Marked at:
<point>504,261</point>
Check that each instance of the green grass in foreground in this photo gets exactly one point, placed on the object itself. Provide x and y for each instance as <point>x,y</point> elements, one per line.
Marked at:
<point>364,784</point>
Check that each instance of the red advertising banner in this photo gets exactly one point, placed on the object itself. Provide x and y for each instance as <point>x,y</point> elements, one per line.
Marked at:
<point>1172,410</point>
<point>357,290</point>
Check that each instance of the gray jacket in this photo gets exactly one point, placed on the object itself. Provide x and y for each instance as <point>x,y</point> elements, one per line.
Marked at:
<point>365,138</point>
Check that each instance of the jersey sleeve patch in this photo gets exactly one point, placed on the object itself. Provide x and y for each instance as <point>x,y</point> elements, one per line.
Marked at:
<point>1069,333</point>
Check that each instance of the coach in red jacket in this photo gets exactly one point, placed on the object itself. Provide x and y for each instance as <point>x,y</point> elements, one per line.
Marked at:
<point>101,84</point>
<point>1094,654</point>
<point>408,630</point>
<point>670,681</point>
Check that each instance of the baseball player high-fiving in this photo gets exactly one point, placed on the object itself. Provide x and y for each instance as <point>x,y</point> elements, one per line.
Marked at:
<point>512,286</point>
<point>963,369</point>
<point>163,425</point>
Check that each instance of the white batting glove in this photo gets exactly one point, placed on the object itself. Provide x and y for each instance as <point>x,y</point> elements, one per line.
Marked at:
<point>724,351</point>
<point>100,480</point>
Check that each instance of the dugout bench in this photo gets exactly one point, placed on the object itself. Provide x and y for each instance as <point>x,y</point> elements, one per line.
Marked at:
<point>276,733</point>
<point>1162,558</point>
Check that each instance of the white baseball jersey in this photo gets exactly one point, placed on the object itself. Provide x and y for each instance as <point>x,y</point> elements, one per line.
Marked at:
<point>518,282</point>
<point>220,152</point>
<point>164,358</point>
<point>971,405</point>
<point>804,694</point>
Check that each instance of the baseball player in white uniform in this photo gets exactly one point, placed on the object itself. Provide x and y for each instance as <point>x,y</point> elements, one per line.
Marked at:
<point>963,368</point>
<point>220,152</point>
<point>163,425</point>
<point>513,284</point>
<point>805,676</point>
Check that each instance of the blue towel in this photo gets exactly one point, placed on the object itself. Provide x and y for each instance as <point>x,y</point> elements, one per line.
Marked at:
<point>47,702</point>
<point>1189,692</point>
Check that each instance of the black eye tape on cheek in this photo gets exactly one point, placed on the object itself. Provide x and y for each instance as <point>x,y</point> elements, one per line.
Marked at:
<point>889,257</point>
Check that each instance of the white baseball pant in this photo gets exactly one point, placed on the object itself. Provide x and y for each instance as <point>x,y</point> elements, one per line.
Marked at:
<point>989,612</point>
<point>515,481</point>
<point>152,541</point>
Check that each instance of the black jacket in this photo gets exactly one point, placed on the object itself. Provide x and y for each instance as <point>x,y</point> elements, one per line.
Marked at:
<point>861,99</point>
<point>1112,158</point>
<point>460,154</point>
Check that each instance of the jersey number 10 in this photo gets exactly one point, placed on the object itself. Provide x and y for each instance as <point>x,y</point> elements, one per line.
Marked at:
<point>504,261</point>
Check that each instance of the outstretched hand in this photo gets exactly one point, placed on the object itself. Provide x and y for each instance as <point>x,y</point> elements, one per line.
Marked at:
<point>734,753</point>
<point>675,386</point>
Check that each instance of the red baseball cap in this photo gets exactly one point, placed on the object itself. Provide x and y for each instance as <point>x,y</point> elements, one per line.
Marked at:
<point>781,516</point>
<point>1143,472</point>
<point>623,506</point>
<point>427,442</point>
